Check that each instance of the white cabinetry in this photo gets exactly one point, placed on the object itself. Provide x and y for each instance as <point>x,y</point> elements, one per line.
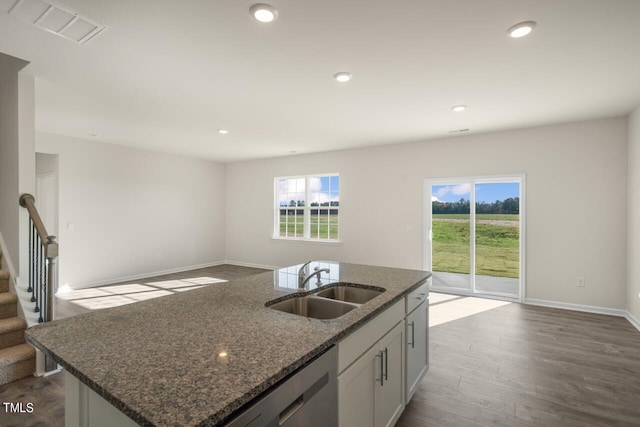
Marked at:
<point>417,348</point>
<point>356,391</point>
<point>417,354</point>
<point>371,384</point>
<point>381,365</point>
<point>389,402</point>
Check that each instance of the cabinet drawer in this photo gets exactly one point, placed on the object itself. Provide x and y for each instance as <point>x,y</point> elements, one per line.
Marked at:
<point>418,296</point>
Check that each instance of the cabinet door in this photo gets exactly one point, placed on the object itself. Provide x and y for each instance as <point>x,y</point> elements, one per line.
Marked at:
<point>417,348</point>
<point>356,386</point>
<point>389,402</point>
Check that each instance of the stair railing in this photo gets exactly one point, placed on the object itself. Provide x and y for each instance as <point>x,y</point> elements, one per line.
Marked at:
<point>43,262</point>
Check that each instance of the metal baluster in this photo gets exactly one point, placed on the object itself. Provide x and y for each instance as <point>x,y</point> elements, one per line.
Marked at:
<point>42,285</point>
<point>51,253</point>
<point>30,288</point>
<point>34,297</point>
<point>43,306</point>
<point>32,261</point>
<point>37,275</point>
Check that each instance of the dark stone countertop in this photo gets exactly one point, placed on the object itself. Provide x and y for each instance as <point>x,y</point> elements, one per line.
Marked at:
<point>158,360</point>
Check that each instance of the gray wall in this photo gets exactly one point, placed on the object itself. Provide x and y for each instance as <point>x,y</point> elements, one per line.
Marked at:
<point>633,234</point>
<point>134,212</point>
<point>576,204</point>
<point>9,156</point>
<point>46,163</point>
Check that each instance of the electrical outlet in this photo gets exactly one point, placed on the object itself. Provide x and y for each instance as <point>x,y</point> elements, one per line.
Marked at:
<point>580,282</point>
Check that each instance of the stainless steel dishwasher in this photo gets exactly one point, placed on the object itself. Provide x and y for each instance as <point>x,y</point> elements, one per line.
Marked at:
<point>308,398</point>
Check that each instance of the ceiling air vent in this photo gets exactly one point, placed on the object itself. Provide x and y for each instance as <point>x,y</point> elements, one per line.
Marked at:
<point>58,20</point>
<point>459,131</point>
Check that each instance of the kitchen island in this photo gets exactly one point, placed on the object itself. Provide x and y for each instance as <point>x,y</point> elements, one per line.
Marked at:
<point>199,357</point>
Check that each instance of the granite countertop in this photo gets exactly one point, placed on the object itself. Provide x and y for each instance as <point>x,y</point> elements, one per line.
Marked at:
<point>159,361</point>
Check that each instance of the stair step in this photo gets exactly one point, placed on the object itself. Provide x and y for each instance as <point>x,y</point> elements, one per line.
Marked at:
<point>8,305</point>
<point>12,332</point>
<point>4,281</point>
<point>17,362</point>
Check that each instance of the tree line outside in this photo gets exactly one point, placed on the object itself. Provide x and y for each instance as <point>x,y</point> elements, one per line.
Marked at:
<point>506,206</point>
<point>300,203</point>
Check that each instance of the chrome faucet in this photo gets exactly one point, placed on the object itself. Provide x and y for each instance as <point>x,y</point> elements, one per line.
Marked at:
<point>303,279</point>
<point>317,271</point>
<point>302,273</point>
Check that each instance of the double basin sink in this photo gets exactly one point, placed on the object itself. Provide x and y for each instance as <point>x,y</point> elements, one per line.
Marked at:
<point>329,303</point>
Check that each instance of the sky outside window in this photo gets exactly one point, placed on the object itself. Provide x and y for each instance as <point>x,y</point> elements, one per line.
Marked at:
<point>485,192</point>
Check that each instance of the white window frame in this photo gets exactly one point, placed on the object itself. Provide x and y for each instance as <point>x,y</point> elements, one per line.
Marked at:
<point>307,208</point>
<point>478,179</point>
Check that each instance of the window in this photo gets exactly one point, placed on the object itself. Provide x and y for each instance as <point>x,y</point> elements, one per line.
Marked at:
<point>306,207</point>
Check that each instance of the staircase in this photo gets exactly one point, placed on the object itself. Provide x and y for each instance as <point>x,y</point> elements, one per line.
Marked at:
<point>17,359</point>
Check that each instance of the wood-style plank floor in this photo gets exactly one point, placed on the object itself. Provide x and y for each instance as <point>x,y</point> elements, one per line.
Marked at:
<point>492,363</point>
<point>506,364</point>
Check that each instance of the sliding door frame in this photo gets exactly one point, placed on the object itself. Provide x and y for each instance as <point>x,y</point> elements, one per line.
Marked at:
<point>473,180</point>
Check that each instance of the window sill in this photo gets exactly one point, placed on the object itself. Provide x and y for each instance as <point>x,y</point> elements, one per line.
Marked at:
<point>303,240</point>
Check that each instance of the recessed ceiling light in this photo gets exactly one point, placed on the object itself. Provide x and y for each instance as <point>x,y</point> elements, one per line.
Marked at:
<point>342,76</point>
<point>459,108</point>
<point>223,131</point>
<point>521,29</point>
<point>264,12</point>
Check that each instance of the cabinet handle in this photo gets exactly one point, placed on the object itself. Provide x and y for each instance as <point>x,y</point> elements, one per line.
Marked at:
<point>381,356</point>
<point>420,296</point>
<point>386,367</point>
<point>413,334</point>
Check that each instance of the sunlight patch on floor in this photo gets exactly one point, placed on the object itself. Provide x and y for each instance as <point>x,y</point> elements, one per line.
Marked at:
<point>117,295</point>
<point>126,289</point>
<point>445,308</point>
<point>72,294</point>
<point>148,295</point>
<point>103,302</point>
<point>187,289</point>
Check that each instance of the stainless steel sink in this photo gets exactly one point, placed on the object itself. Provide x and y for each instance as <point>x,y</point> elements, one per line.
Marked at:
<point>350,294</point>
<point>313,306</point>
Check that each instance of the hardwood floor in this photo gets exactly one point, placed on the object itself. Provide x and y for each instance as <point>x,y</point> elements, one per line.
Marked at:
<point>492,363</point>
<point>45,394</point>
<point>520,365</point>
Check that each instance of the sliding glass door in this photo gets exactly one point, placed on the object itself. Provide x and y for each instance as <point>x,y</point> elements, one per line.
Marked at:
<point>474,242</point>
<point>451,236</point>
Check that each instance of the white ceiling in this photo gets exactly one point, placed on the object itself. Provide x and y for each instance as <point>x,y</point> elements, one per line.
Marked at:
<point>165,75</point>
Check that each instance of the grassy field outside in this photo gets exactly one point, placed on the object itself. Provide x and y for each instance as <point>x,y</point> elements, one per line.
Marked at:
<point>497,244</point>
<point>323,226</point>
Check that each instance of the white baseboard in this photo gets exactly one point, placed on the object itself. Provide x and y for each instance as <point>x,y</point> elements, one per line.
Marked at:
<point>249,264</point>
<point>633,320</point>
<point>146,275</point>
<point>577,307</point>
